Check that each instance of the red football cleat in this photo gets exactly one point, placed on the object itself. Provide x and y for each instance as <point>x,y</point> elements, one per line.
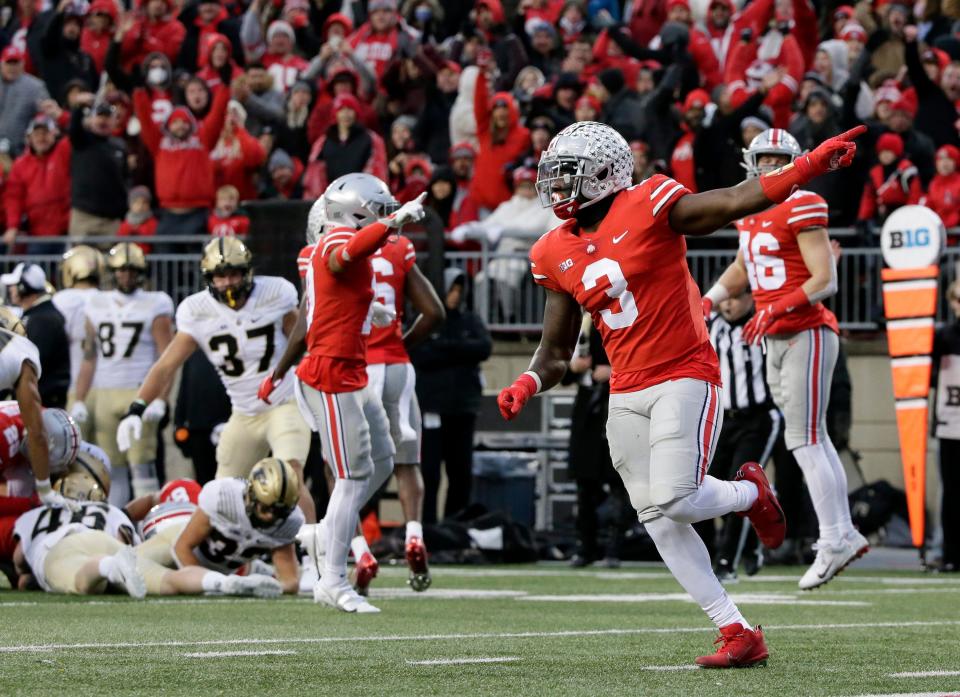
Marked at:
<point>364,571</point>
<point>765,514</point>
<point>739,648</point>
<point>417,561</point>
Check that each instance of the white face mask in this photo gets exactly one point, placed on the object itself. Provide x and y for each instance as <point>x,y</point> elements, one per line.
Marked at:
<point>157,75</point>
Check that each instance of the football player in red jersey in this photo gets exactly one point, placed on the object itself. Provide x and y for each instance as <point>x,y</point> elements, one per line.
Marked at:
<point>334,321</point>
<point>621,255</point>
<point>392,379</point>
<point>786,258</point>
<point>391,376</point>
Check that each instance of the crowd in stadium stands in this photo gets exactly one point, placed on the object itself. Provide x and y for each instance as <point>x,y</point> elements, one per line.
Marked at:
<point>164,116</point>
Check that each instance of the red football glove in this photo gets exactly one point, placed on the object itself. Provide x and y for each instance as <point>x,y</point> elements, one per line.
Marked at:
<point>707,305</point>
<point>760,323</point>
<point>512,399</point>
<point>830,155</point>
<point>268,385</point>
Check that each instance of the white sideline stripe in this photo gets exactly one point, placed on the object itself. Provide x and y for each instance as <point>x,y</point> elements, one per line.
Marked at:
<point>884,580</point>
<point>536,573</point>
<point>228,654</point>
<point>751,598</point>
<point>668,668</point>
<point>463,661</point>
<point>32,648</point>
<point>926,674</point>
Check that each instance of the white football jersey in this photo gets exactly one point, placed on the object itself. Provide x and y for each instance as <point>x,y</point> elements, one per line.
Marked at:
<point>243,344</point>
<point>40,529</point>
<point>14,350</point>
<point>233,541</point>
<point>124,327</point>
<point>71,303</point>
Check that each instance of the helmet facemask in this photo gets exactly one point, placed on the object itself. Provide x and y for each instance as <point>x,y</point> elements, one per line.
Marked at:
<point>233,296</point>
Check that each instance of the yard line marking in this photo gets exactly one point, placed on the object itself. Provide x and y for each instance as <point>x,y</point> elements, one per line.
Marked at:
<point>669,668</point>
<point>926,674</point>
<point>463,661</point>
<point>228,654</point>
<point>23,648</point>
<point>751,598</point>
<point>444,594</point>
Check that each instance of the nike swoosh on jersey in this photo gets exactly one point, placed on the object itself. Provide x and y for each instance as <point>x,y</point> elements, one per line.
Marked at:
<point>620,236</point>
<point>767,223</point>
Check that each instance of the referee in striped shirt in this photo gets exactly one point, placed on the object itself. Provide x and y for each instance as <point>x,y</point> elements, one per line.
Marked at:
<point>751,425</point>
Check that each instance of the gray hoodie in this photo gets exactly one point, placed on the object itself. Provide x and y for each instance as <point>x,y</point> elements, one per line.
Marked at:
<point>19,102</point>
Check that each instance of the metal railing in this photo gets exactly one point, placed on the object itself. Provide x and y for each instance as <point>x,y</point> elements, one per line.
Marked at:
<point>503,292</point>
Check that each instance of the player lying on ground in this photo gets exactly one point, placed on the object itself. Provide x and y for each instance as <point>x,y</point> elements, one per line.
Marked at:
<point>621,256</point>
<point>786,259</point>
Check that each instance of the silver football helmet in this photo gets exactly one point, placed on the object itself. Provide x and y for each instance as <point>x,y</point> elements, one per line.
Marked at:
<point>773,141</point>
<point>63,440</point>
<point>355,200</point>
<point>584,163</point>
<point>316,220</point>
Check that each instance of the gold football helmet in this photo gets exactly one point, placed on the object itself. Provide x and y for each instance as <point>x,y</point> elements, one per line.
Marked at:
<point>10,321</point>
<point>272,492</point>
<point>80,486</point>
<point>127,256</point>
<point>226,254</point>
<point>82,263</point>
<point>93,466</point>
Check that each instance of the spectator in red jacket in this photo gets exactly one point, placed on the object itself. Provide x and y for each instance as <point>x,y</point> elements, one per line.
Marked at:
<point>237,156</point>
<point>38,188</point>
<point>98,31</point>
<point>227,220</point>
<point>346,147</point>
<point>892,183</point>
<point>183,172</point>
<point>155,29</point>
<point>681,161</point>
<point>587,108</point>
<point>276,53</point>
<point>943,194</point>
<point>343,81</point>
<point>752,62</point>
<point>381,38</point>
<point>502,140</point>
<point>140,220</point>
<point>215,59</point>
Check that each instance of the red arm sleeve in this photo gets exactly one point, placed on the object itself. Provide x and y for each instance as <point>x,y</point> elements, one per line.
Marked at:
<point>481,108</point>
<point>212,125</point>
<point>916,191</point>
<point>149,133</point>
<point>805,29</point>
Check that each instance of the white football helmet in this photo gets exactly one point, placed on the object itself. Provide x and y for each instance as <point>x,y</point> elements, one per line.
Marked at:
<point>584,163</point>
<point>63,440</point>
<point>165,515</point>
<point>355,200</point>
<point>773,141</point>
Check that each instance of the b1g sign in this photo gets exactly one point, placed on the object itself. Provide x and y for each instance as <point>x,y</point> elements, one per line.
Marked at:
<point>912,237</point>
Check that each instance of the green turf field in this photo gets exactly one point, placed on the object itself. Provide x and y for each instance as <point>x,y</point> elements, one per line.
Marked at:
<point>546,630</point>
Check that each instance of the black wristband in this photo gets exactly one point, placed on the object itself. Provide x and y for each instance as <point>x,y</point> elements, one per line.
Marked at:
<point>136,408</point>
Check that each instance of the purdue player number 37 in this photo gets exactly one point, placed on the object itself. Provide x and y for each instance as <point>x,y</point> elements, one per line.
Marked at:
<point>241,322</point>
